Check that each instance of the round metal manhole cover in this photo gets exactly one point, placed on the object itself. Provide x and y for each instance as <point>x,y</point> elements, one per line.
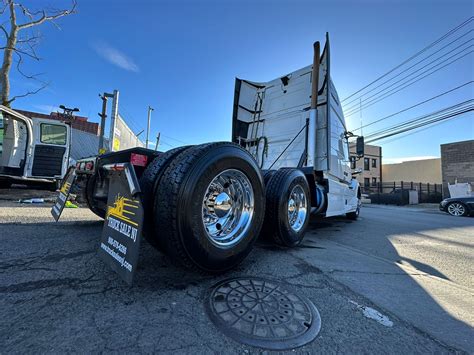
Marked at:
<point>263,313</point>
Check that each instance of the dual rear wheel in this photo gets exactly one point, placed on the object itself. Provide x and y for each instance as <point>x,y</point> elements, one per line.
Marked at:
<point>207,208</point>
<point>205,205</point>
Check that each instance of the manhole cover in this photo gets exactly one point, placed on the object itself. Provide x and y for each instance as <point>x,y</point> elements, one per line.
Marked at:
<point>263,313</point>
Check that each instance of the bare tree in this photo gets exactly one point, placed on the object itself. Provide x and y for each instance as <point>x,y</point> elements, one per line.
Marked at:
<point>19,47</point>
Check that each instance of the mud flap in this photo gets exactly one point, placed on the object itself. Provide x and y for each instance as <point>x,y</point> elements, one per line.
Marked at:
<point>121,234</point>
<point>64,191</point>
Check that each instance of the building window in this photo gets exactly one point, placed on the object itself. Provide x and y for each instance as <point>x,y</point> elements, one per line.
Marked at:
<point>53,134</point>
<point>353,162</point>
<point>374,163</point>
<point>366,164</point>
<point>374,181</point>
<point>366,182</point>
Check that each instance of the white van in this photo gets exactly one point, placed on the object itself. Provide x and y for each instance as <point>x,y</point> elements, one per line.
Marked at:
<point>32,150</point>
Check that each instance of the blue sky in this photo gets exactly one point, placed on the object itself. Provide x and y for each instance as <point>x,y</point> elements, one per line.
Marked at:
<point>182,57</point>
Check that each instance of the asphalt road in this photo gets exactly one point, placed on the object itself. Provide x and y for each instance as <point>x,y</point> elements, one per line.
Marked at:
<point>390,282</point>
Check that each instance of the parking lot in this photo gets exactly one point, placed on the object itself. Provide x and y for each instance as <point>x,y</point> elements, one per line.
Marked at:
<point>397,280</point>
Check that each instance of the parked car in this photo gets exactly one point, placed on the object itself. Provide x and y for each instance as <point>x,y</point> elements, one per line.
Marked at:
<point>458,206</point>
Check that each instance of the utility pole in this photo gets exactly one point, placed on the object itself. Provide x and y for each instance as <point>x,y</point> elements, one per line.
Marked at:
<point>157,141</point>
<point>148,127</point>
<point>102,116</point>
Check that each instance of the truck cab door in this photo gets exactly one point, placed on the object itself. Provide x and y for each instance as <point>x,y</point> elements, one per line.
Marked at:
<point>51,141</point>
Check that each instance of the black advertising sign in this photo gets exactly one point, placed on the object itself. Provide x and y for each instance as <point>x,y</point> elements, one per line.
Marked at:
<point>120,242</point>
<point>63,194</point>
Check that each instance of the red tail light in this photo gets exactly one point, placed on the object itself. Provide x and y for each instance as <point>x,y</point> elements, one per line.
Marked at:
<point>138,159</point>
<point>89,165</point>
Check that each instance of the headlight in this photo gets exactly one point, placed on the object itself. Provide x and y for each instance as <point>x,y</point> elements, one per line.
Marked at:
<point>444,202</point>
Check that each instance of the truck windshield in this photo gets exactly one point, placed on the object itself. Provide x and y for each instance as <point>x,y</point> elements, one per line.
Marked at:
<point>53,134</point>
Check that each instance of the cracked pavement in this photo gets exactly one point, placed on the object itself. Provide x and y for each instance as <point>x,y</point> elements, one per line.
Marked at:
<point>58,296</point>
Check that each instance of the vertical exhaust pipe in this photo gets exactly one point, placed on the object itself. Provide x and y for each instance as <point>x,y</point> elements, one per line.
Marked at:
<point>315,76</point>
<point>311,148</point>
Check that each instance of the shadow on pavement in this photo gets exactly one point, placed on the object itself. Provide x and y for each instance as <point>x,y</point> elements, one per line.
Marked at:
<point>404,296</point>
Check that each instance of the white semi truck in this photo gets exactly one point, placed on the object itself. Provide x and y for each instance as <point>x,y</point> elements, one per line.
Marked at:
<point>206,205</point>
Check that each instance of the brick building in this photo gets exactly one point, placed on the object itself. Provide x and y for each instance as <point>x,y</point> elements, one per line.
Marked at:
<point>457,163</point>
<point>371,164</point>
<point>80,123</point>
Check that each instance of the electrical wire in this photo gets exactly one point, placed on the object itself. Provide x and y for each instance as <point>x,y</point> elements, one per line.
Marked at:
<point>403,86</point>
<point>446,35</point>
<point>426,120</point>
<point>424,117</point>
<point>413,106</point>
<point>421,125</point>
<point>174,139</point>
<point>418,131</point>
<point>358,105</point>
<point>414,65</point>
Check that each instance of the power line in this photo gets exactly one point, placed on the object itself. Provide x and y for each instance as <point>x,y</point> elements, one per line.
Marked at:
<point>416,76</point>
<point>419,130</point>
<point>413,106</point>
<point>422,121</point>
<point>449,33</point>
<point>414,65</point>
<point>401,87</point>
<point>174,139</point>
<point>449,116</point>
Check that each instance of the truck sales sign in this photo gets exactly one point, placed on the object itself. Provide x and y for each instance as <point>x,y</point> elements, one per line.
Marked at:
<point>63,194</point>
<point>120,242</point>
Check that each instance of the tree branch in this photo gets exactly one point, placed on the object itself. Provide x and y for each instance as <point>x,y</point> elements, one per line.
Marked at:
<point>44,16</point>
<point>4,31</point>
<point>32,76</point>
<point>28,93</point>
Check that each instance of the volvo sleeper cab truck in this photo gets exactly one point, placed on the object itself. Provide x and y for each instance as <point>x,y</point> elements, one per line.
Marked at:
<point>206,205</point>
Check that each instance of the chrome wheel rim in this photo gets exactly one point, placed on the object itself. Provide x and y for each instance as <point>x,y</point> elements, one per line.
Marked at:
<point>456,209</point>
<point>227,208</point>
<point>297,208</point>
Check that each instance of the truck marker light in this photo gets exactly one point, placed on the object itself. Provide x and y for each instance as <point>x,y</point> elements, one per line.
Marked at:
<point>89,165</point>
<point>138,159</point>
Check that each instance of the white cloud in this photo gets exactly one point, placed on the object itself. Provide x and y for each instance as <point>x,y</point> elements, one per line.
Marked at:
<point>401,160</point>
<point>115,57</point>
<point>47,109</point>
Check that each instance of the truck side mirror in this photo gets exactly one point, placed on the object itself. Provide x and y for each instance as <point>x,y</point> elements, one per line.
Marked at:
<point>360,146</point>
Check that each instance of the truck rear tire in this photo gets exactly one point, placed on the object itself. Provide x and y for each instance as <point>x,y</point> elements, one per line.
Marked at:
<point>96,206</point>
<point>353,216</point>
<point>209,207</point>
<point>148,182</point>
<point>267,175</point>
<point>288,207</point>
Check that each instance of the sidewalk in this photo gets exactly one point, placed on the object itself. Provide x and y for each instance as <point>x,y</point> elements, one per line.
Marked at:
<point>421,207</point>
<point>435,306</point>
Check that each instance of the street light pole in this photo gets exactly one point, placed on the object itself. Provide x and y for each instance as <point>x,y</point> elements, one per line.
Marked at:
<point>148,127</point>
